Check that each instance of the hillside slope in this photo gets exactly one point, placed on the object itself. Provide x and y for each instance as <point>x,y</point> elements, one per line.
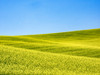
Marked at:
<point>23,61</point>
<point>72,53</point>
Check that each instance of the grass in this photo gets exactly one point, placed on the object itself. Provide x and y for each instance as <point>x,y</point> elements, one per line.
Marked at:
<point>67,53</point>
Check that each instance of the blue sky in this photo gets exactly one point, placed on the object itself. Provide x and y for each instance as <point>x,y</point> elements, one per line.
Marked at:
<point>23,17</point>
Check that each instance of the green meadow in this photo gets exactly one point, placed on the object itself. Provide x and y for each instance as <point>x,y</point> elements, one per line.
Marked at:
<point>65,53</point>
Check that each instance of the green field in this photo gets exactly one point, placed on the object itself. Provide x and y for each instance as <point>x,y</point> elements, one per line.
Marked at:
<point>66,53</point>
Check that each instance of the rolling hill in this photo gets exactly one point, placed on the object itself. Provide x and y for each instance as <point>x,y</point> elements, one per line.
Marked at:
<point>65,53</point>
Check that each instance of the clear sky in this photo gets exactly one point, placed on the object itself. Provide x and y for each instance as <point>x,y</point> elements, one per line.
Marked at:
<point>23,17</point>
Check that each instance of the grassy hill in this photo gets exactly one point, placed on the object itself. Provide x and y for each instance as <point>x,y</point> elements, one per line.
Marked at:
<point>67,53</point>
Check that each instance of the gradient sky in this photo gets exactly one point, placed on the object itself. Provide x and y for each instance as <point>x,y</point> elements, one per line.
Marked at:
<point>23,17</point>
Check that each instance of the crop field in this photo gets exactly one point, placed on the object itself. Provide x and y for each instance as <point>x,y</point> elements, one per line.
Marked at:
<point>65,53</point>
